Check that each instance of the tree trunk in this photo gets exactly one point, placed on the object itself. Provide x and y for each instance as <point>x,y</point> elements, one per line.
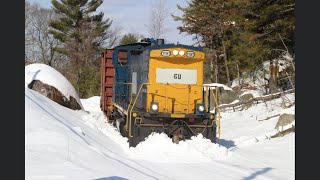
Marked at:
<point>272,80</point>
<point>78,81</point>
<point>216,66</point>
<point>272,85</point>
<point>290,80</point>
<point>211,67</point>
<point>238,72</point>
<point>225,62</point>
<point>78,85</point>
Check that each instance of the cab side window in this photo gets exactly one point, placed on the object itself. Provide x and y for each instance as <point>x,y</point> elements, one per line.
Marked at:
<point>122,57</point>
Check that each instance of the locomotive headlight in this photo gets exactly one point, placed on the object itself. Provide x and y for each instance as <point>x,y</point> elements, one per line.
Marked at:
<point>201,108</point>
<point>190,54</point>
<point>154,107</point>
<point>181,53</point>
<point>165,53</point>
<point>175,52</point>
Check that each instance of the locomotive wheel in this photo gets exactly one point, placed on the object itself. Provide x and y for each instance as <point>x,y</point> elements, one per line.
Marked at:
<point>178,135</point>
<point>175,139</point>
<point>122,129</point>
<point>109,116</point>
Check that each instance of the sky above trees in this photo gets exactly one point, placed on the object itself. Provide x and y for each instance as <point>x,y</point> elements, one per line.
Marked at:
<point>132,17</point>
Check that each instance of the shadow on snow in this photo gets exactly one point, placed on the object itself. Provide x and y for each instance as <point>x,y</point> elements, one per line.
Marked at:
<point>226,143</point>
<point>259,172</point>
<point>112,178</point>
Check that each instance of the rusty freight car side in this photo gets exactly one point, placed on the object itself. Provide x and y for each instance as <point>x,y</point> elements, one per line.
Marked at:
<point>107,82</point>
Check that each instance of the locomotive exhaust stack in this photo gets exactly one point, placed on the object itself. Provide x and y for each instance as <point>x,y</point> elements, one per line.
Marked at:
<point>160,42</point>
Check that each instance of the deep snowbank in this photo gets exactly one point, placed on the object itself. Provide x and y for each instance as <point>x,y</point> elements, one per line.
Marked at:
<point>62,144</point>
<point>52,77</point>
<point>249,126</point>
<point>159,148</point>
<point>66,144</point>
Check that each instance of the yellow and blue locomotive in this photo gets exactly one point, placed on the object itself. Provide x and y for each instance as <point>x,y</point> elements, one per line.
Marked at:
<point>155,87</point>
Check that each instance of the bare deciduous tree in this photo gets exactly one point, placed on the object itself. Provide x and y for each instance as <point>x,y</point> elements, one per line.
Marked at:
<point>113,36</point>
<point>84,54</point>
<point>157,20</point>
<point>28,32</point>
<point>39,44</point>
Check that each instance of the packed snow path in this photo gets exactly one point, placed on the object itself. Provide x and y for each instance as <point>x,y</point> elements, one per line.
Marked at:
<point>65,144</point>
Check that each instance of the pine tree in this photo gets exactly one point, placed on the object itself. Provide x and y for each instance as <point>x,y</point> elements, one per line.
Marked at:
<point>208,21</point>
<point>246,52</point>
<point>73,14</point>
<point>83,35</point>
<point>275,23</point>
<point>241,33</point>
<point>129,38</point>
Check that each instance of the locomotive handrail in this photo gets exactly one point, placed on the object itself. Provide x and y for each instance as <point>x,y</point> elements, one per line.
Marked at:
<point>166,98</point>
<point>218,109</point>
<point>189,87</point>
<point>216,102</point>
<point>131,107</point>
<point>135,100</point>
<point>218,112</point>
<point>206,100</point>
<point>130,84</point>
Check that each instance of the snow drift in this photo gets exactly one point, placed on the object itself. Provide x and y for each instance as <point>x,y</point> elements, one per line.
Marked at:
<point>52,77</point>
<point>61,143</point>
<point>65,144</point>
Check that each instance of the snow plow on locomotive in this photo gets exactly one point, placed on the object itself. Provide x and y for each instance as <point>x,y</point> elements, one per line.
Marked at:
<point>155,87</point>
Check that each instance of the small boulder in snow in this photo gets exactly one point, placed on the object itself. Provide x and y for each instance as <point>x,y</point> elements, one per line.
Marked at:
<point>52,84</point>
<point>285,125</point>
<point>53,94</point>
<point>246,97</point>
<point>225,94</point>
<point>284,120</point>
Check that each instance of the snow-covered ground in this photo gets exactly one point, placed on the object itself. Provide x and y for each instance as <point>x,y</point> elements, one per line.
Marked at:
<point>61,143</point>
<point>260,75</point>
<point>214,85</point>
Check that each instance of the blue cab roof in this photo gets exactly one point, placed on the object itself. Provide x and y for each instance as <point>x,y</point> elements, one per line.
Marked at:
<point>144,46</point>
<point>165,46</point>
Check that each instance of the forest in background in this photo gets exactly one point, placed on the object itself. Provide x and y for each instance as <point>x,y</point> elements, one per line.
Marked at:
<point>238,36</point>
